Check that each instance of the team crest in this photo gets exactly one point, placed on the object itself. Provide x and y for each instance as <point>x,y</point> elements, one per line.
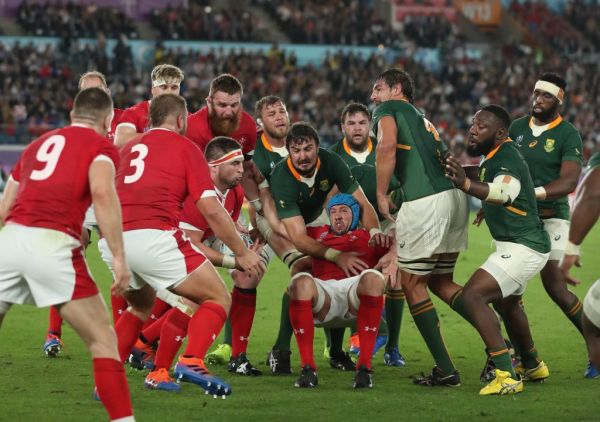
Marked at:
<point>549,147</point>
<point>532,143</point>
<point>324,185</point>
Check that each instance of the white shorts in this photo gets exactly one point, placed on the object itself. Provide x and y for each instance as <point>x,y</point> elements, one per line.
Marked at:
<point>89,221</point>
<point>42,267</point>
<point>558,231</point>
<point>591,304</point>
<point>430,226</point>
<point>160,258</point>
<point>343,298</point>
<point>513,265</point>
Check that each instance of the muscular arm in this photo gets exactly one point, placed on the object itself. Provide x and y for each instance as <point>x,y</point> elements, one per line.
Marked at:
<point>296,229</point>
<point>8,198</point>
<point>221,224</point>
<point>386,154</point>
<point>270,213</point>
<point>123,135</point>
<point>587,207</point>
<point>369,218</point>
<point>214,256</point>
<point>565,184</point>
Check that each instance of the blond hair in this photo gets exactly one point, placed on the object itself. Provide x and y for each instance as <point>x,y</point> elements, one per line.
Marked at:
<point>167,73</point>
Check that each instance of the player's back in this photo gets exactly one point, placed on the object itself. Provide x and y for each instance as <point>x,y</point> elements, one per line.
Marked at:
<point>158,170</point>
<point>419,150</point>
<point>53,176</point>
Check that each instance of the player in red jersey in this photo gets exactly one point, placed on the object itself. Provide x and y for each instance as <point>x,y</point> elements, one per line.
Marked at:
<point>41,255</point>
<point>329,298</point>
<point>158,171</point>
<point>166,79</point>
<point>53,344</point>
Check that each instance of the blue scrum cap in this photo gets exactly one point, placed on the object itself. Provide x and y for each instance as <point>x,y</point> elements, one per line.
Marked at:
<point>349,201</point>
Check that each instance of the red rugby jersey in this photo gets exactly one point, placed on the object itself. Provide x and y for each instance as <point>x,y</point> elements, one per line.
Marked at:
<point>136,117</point>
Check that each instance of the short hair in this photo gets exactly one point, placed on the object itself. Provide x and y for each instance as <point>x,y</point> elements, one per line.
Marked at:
<point>554,78</point>
<point>226,83</point>
<point>353,108</point>
<point>92,74</point>
<point>92,103</point>
<point>166,105</point>
<point>219,146</point>
<point>301,132</point>
<point>269,100</point>
<point>394,77</point>
<point>167,73</point>
<point>500,113</point>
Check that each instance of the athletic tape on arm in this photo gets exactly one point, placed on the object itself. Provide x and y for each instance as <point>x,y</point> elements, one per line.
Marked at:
<point>503,190</point>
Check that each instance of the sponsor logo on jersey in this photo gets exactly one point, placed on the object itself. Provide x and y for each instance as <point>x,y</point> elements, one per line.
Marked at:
<point>549,147</point>
<point>324,185</point>
<point>532,143</point>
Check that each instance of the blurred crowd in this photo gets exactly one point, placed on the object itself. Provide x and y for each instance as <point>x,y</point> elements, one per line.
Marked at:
<point>70,20</point>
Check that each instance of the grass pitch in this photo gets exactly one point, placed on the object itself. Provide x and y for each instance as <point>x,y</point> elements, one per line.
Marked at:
<point>36,388</point>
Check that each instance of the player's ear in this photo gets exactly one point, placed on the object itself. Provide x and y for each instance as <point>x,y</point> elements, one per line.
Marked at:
<point>501,133</point>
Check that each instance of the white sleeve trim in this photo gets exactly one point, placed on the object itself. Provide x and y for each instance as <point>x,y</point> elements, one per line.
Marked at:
<point>11,179</point>
<point>208,194</point>
<point>126,124</point>
<point>103,157</point>
<point>188,226</point>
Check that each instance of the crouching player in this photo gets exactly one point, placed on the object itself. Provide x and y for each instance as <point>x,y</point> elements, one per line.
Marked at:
<point>328,298</point>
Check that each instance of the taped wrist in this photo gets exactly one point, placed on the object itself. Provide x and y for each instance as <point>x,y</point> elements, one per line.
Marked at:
<point>503,190</point>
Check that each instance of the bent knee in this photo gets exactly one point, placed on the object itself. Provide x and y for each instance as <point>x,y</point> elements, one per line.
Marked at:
<point>372,283</point>
<point>301,286</point>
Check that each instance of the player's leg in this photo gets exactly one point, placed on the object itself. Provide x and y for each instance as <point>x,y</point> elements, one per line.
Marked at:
<point>89,318</point>
<point>130,323</point>
<point>4,307</point>
<point>591,328</point>
<point>394,307</point>
<point>53,344</point>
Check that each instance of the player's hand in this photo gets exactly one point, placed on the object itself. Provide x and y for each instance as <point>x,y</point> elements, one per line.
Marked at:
<point>350,263</point>
<point>382,240</point>
<point>565,265</point>
<point>383,205</point>
<point>256,236</point>
<point>479,218</point>
<point>388,265</point>
<point>241,228</point>
<point>249,261</point>
<point>122,276</point>
<point>455,172</point>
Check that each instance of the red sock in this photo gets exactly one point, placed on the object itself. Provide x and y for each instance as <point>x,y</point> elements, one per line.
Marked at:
<point>204,327</point>
<point>243,308</point>
<point>159,308</point>
<point>113,390</point>
<point>118,305</point>
<point>55,322</point>
<point>301,318</point>
<point>367,324</point>
<point>151,333</point>
<point>128,329</point>
<point>171,337</point>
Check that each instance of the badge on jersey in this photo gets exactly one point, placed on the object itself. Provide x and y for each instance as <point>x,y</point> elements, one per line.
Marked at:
<point>549,147</point>
<point>324,185</point>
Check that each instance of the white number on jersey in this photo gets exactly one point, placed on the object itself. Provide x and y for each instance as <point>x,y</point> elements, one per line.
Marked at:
<point>138,163</point>
<point>48,153</point>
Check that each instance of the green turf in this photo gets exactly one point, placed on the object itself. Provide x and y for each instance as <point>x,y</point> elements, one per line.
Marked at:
<point>34,387</point>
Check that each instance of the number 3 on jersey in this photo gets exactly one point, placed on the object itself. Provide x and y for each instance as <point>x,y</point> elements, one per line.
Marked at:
<point>48,153</point>
<point>138,163</point>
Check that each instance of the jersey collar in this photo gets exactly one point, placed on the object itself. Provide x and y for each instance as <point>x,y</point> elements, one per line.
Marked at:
<point>266,143</point>
<point>495,150</point>
<point>350,152</point>
<point>297,175</point>
<point>550,125</point>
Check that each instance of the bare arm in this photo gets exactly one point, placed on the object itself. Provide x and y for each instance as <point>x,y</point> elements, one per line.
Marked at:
<point>8,197</point>
<point>565,184</point>
<point>214,256</point>
<point>108,214</point>
<point>369,218</point>
<point>270,213</point>
<point>587,207</point>
<point>124,134</point>
<point>385,161</point>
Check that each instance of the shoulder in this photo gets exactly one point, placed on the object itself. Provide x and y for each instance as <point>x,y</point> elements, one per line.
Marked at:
<point>520,122</point>
<point>568,127</point>
<point>337,147</point>
<point>199,114</point>
<point>594,160</point>
<point>280,169</point>
<point>248,122</point>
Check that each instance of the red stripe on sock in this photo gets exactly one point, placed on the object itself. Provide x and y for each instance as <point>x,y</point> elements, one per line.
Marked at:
<point>301,318</point>
<point>113,390</point>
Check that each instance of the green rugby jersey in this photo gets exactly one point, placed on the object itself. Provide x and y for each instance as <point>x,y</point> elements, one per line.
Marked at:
<point>292,194</point>
<point>594,161</point>
<point>342,149</point>
<point>419,150</point>
<point>266,156</point>
<point>545,154</point>
<point>366,176</point>
<point>518,222</point>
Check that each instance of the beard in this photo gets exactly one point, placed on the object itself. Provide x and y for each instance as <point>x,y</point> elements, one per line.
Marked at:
<point>277,133</point>
<point>359,144</point>
<point>306,173</point>
<point>224,126</point>
<point>545,116</point>
<point>483,148</point>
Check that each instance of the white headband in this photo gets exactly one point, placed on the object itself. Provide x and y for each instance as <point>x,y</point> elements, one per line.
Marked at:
<point>160,82</point>
<point>551,89</point>
<point>230,156</point>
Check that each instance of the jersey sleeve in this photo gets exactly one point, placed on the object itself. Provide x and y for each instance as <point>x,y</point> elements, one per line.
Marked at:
<point>572,148</point>
<point>130,119</point>
<point>285,197</point>
<point>16,171</point>
<point>239,201</point>
<point>108,150</point>
<point>199,183</point>
<point>344,179</point>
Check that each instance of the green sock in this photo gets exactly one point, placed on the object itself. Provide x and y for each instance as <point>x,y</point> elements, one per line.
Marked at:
<point>501,359</point>
<point>529,358</point>
<point>227,333</point>
<point>457,303</point>
<point>327,332</point>
<point>284,337</point>
<point>383,328</point>
<point>428,323</point>
<point>394,305</point>
<point>337,340</point>
<point>575,314</point>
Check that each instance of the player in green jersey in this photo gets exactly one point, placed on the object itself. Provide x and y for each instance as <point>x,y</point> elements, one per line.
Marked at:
<point>431,227</point>
<point>357,149</point>
<point>586,211</point>
<point>522,246</point>
<point>552,148</point>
